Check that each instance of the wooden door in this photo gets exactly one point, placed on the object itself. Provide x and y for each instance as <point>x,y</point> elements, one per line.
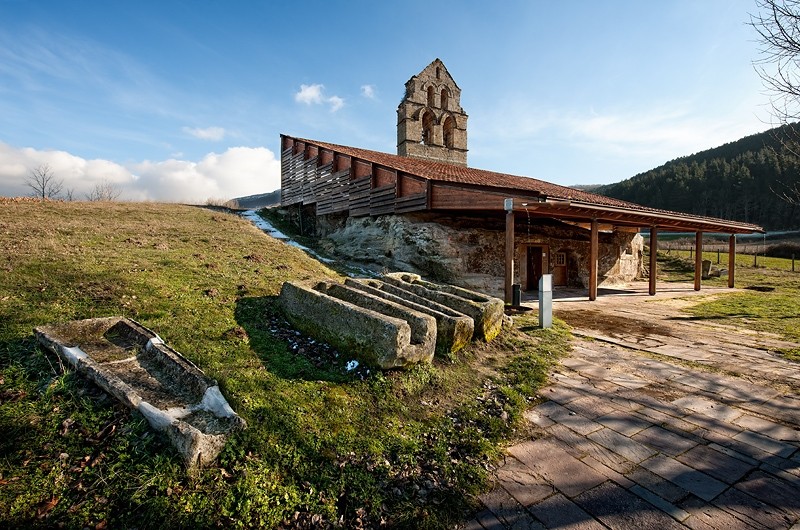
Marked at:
<point>560,268</point>
<point>534,267</point>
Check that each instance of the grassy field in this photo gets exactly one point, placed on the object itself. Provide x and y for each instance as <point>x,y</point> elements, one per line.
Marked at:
<point>324,446</point>
<point>770,301</point>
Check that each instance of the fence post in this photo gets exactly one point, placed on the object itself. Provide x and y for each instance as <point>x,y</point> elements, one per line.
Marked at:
<point>690,252</point>
<point>717,256</point>
<point>792,262</point>
<point>755,259</point>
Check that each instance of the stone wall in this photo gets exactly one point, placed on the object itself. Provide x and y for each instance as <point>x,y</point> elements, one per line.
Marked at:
<point>471,251</point>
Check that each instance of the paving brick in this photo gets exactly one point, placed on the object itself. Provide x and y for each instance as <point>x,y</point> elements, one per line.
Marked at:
<point>504,507</point>
<point>708,407</point>
<point>618,508</point>
<point>715,463</point>
<point>606,471</point>
<point>488,521</point>
<point>776,431</point>
<point>590,406</point>
<point>580,447</point>
<point>773,490</point>
<point>735,454</point>
<point>667,416</point>
<point>690,479</point>
<point>559,512</point>
<point>658,485</point>
<point>766,444</point>
<point>753,512</point>
<point>628,381</point>
<point>522,484</point>
<point>561,395</point>
<point>622,445</point>
<point>472,524</point>
<point>713,424</point>
<point>573,420</point>
<point>623,423</point>
<point>664,440</point>
<point>704,516</point>
<point>548,459</point>
<point>535,417</point>
<point>663,505</point>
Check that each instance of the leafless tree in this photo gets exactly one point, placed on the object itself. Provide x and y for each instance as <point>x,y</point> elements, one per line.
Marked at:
<point>44,183</point>
<point>778,26</point>
<point>104,191</point>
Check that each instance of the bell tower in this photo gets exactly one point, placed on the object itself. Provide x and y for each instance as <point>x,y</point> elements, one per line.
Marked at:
<point>430,121</point>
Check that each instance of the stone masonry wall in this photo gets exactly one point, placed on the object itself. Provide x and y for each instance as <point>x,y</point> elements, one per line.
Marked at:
<point>471,251</point>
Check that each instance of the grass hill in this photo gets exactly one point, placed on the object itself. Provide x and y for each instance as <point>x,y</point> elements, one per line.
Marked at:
<point>735,181</point>
<point>323,446</point>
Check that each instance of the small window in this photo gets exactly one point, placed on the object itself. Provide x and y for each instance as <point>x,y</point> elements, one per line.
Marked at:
<point>561,259</point>
<point>437,72</point>
<point>448,131</point>
<point>427,128</point>
<point>430,96</point>
<point>444,98</point>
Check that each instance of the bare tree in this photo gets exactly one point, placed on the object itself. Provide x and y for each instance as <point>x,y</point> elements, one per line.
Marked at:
<point>778,26</point>
<point>104,190</point>
<point>44,183</point>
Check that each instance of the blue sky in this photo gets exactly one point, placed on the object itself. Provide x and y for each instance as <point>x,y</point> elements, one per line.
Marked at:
<point>185,101</point>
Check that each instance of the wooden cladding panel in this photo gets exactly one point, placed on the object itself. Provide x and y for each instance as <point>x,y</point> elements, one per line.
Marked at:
<point>359,196</point>
<point>411,203</point>
<point>454,198</point>
<point>384,177</point>
<point>381,200</point>
<point>407,186</point>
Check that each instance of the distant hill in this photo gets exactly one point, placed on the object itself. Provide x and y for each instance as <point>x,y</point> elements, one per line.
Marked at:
<point>587,187</point>
<point>262,200</point>
<point>733,181</point>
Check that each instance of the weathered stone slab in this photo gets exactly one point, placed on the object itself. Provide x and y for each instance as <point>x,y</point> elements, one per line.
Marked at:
<point>133,364</point>
<point>379,340</point>
<point>622,445</point>
<point>715,463</point>
<point>454,329</point>
<point>664,440</point>
<point>423,326</point>
<point>559,512</point>
<point>486,311</point>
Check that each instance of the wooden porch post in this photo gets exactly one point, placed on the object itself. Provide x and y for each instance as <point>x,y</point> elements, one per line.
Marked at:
<point>593,261</point>
<point>731,259</point>
<point>509,255</point>
<point>698,259</point>
<point>653,252</point>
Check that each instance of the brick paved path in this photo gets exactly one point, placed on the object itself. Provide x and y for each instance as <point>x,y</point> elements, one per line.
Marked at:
<point>680,424</point>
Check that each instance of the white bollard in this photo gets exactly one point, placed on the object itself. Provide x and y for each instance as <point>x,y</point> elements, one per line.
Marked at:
<point>546,301</point>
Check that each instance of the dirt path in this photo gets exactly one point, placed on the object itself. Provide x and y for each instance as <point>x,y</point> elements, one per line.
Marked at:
<point>656,421</point>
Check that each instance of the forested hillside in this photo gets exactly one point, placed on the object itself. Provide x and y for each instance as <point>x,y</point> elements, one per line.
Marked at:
<point>736,181</point>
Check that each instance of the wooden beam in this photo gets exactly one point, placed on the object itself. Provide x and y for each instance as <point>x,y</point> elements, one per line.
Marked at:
<point>509,255</point>
<point>731,260</point>
<point>593,253</point>
<point>698,259</point>
<point>653,252</point>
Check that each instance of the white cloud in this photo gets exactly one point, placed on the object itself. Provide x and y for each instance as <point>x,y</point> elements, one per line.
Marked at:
<point>314,95</point>
<point>237,172</point>
<point>209,133</point>
<point>368,91</point>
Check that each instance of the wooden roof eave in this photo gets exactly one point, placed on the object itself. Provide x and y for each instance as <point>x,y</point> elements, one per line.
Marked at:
<point>625,217</point>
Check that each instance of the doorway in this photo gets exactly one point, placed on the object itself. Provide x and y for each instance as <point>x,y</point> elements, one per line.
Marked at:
<point>534,264</point>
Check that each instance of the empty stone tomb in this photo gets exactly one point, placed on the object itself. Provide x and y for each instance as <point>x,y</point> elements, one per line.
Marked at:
<point>394,322</point>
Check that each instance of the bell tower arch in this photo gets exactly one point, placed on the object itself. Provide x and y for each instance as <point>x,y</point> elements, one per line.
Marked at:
<point>430,121</point>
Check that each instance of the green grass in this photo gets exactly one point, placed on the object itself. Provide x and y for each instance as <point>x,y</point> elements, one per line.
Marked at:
<point>770,302</point>
<point>322,446</point>
<point>742,260</point>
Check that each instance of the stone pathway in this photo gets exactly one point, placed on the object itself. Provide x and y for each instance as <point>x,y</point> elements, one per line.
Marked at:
<point>656,422</point>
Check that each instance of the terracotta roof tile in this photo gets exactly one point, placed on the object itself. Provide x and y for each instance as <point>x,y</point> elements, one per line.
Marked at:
<point>439,171</point>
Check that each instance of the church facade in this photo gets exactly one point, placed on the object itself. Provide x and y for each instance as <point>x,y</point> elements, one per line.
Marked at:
<point>425,210</point>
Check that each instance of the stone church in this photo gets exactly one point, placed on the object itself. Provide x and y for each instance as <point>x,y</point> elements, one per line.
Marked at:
<point>424,210</point>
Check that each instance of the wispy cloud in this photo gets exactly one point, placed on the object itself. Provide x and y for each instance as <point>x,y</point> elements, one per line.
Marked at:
<point>368,91</point>
<point>208,133</point>
<point>315,95</point>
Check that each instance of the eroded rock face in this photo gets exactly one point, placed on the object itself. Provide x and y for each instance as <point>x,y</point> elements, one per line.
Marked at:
<point>471,251</point>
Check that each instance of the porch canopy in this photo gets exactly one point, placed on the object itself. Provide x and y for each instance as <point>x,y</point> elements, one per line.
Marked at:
<point>338,179</point>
